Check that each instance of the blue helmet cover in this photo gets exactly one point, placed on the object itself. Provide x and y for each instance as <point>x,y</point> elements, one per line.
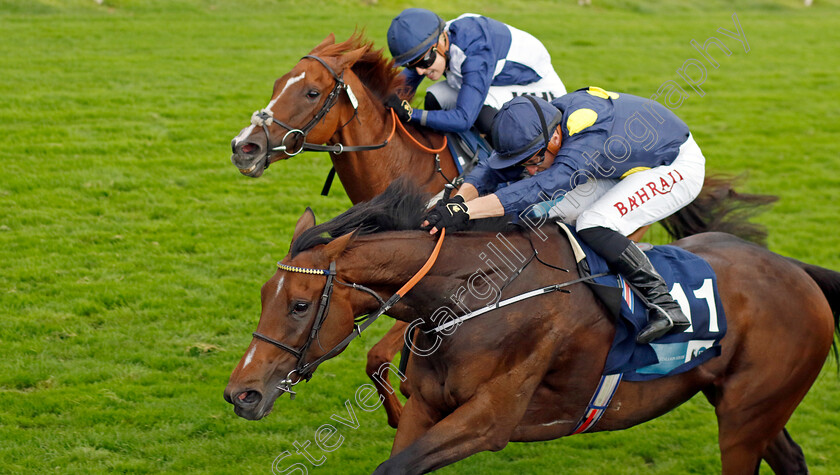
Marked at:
<point>412,33</point>
<point>518,132</point>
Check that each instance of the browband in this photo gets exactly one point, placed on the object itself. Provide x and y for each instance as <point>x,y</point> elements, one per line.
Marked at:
<point>304,270</point>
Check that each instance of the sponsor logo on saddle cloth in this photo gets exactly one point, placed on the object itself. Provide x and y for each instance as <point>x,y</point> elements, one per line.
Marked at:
<point>693,284</point>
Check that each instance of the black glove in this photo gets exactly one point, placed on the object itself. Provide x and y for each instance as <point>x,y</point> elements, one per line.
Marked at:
<point>400,106</point>
<point>450,214</point>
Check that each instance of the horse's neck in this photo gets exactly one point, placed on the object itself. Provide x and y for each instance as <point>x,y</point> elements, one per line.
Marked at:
<point>386,261</point>
<point>481,263</point>
<point>368,173</point>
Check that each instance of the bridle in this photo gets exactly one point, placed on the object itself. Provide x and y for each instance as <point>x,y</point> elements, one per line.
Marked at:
<point>263,118</point>
<point>305,370</point>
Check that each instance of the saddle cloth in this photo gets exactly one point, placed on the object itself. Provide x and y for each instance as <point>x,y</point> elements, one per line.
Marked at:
<point>692,283</point>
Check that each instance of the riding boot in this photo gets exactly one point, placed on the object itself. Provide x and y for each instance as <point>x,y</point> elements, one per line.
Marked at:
<point>664,313</point>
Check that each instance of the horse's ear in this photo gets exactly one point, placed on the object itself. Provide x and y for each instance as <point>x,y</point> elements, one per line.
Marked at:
<point>349,58</point>
<point>306,221</point>
<point>329,40</point>
<point>338,245</point>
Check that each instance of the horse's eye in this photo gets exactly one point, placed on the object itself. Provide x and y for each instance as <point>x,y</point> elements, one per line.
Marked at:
<point>300,307</point>
<point>313,94</point>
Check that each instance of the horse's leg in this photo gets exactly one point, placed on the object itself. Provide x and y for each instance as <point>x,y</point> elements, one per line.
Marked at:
<point>485,422</point>
<point>417,418</point>
<point>784,455</point>
<point>753,406</point>
<point>468,430</point>
<point>379,365</point>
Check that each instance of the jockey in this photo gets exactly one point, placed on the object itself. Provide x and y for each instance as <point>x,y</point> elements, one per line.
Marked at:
<point>486,63</point>
<point>610,163</point>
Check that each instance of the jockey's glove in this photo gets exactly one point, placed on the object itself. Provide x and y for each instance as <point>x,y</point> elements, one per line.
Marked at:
<point>450,214</point>
<point>400,106</point>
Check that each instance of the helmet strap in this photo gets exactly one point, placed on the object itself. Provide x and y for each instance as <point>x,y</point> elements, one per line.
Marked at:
<point>542,119</point>
<point>445,53</point>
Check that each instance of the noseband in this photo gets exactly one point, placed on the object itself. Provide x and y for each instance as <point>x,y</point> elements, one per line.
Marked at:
<point>306,370</point>
<point>265,117</point>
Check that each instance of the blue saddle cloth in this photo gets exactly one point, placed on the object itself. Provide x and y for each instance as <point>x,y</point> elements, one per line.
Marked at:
<point>693,284</point>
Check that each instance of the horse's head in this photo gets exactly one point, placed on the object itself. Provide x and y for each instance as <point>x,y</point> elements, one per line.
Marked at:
<point>304,315</point>
<point>299,110</point>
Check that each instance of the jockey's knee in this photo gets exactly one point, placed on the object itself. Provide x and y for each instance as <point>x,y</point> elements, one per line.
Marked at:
<point>484,122</point>
<point>607,242</point>
<point>592,218</point>
<point>431,103</point>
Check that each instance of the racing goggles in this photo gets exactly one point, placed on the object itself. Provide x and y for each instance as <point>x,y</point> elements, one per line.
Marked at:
<point>425,61</point>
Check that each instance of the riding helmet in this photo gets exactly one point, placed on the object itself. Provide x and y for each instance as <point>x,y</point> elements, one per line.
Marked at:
<point>413,32</point>
<point>521,128</point>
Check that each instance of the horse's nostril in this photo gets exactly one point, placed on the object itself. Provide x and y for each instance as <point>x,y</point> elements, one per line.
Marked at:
<point>247,398</point>
<point>248,148</point>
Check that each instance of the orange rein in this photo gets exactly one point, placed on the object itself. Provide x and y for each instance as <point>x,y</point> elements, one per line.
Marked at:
<point>425,269</point>
<point>418,144</point>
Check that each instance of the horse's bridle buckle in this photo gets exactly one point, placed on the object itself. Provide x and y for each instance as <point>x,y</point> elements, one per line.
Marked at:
<point>286,385</point>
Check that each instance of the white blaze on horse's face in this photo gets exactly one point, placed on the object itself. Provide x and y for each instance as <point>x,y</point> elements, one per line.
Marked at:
<point>249,356</point>
<point>279,286</point>
<point>288,83</point>
<point>246,132</point>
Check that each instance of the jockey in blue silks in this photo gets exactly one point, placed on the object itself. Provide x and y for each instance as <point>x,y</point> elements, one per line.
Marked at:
<point>486,63</point>
<point>604,162</point>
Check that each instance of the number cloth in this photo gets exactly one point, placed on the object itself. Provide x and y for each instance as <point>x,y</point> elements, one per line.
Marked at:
<point>693,284</point>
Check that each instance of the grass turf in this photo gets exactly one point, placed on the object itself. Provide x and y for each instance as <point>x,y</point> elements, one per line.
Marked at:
<point>133,252</point>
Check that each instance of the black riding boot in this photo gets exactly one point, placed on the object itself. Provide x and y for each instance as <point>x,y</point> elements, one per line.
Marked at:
<point>622,255</point>
<point>664,313</point>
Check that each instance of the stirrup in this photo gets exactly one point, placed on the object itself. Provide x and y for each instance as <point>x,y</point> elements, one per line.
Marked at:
<point>660,326</point>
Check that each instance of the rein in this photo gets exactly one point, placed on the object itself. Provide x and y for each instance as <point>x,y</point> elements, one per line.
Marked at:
<point>304,370</point>
<point>504,303</point>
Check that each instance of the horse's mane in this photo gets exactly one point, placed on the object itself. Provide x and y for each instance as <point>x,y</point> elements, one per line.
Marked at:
<point>374,70</point>
<point>400,207</point>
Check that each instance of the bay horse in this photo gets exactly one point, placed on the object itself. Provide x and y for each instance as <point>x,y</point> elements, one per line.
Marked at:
<point>335,95</point>
<point>526,373</point>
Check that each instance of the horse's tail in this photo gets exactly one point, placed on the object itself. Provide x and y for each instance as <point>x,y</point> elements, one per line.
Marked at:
<point>719,207</point>
<point>829,282</point>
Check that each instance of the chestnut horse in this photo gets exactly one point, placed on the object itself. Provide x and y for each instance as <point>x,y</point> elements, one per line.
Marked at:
<point>527,373</point>
<point>335,95</point>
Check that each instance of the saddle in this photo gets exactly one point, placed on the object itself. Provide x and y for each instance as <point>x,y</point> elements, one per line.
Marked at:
<point>692,283</point>
<point>468,148</point>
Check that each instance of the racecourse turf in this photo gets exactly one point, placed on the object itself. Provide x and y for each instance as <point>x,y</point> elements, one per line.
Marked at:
<point>132,252</point>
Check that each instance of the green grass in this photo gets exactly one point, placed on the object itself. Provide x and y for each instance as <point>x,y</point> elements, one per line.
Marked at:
<point>132,252</point>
